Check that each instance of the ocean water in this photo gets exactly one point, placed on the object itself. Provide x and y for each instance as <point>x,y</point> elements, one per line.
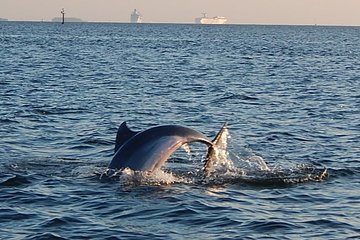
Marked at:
<point>290,95</point>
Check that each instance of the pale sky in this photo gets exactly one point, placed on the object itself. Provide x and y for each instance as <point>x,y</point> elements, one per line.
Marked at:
<point>321,12</point>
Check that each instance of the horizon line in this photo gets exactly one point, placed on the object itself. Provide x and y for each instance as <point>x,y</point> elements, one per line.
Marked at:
<point>186,23</point>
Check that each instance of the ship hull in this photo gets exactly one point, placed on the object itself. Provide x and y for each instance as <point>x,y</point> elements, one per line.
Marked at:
<point>135,19</point>
<point>214,20</point>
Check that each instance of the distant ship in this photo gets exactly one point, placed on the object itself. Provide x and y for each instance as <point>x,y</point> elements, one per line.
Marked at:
<point>214,20</point>
<point>135,17</point>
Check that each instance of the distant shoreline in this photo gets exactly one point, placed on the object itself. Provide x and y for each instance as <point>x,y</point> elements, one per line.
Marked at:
<point>67,19</point>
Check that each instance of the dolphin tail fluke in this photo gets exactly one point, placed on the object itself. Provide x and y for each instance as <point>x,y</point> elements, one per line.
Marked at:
<point>219,144</point>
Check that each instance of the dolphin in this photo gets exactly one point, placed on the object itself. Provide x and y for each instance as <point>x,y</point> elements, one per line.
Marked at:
<point>148,150</point>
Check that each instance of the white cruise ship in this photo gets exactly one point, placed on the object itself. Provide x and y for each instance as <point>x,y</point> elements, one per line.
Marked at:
<point>207,20</point>
<point>135,17</point>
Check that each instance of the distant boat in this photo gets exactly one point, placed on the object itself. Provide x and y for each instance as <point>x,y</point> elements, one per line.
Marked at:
<point>207,20</point>
<point>135,17</point>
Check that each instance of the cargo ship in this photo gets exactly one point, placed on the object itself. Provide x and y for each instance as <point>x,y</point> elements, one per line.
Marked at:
<point>135,17</point>
<point>206,20</point>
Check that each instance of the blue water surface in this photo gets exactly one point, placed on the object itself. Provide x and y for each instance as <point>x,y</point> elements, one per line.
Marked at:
<point>291,95</point>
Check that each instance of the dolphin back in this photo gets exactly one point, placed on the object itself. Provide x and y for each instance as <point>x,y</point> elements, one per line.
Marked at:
<point>148,150</point>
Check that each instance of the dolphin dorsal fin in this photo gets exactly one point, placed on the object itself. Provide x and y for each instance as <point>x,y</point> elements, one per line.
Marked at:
<point>123,135</point>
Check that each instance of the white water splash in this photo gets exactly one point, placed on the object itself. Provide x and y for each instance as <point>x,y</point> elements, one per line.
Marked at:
<point>187,149</point>
<point>252,163</point>
<point>128,177</point>
<point>219,162</point>
<point>85,171</point>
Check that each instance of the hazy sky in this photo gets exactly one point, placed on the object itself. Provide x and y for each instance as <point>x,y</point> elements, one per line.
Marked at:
<point>329,12</point>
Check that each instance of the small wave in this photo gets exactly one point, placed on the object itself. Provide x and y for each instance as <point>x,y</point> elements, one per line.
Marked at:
<point>237,97</point>
<point>8,120</point>
<point>13,180</point>
<point>46,235</point>
<point>266,226</point>
<point>88,142</point>
<point>57,110</point>
<point>58,222</point>
<point>7,215</point>
<point>274,135</point>
<point>331,223</point>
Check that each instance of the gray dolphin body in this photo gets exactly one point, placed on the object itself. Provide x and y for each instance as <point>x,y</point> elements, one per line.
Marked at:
<point>148,150</point>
